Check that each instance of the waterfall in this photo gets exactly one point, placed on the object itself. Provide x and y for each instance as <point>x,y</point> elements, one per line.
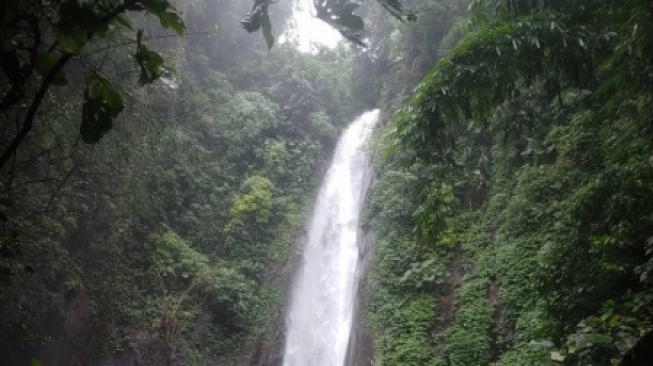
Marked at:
<point>322,302</point>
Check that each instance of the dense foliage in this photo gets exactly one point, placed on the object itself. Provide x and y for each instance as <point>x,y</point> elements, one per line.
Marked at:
<point>41,39</point>
<point>169,241</point>
<point>339,14</point>
<point>513,210</point>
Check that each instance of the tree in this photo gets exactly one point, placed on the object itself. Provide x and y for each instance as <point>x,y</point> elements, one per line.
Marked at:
<point>549,103</point>
<point>40,40</point>
<point>561,43</point>
<point>337,13</point>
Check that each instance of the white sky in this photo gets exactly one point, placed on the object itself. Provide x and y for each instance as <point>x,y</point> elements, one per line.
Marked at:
<point>306,30</point>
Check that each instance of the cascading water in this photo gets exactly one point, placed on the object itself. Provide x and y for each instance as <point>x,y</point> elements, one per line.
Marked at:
<point>322,303</point>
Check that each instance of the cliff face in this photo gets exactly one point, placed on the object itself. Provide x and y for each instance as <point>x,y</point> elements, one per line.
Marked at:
<point>361,343</point>
<point>360,351</point>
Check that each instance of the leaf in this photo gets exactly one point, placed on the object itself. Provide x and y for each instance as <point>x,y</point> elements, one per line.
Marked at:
<point>101,88</point>
<point>573,347</point>
<point>210,31</point>
<point>171,20</point>
<point>557,357</point>
<point>35,362</point>
<point>79,16</point>
<point>102,104</point>
<point>354,38</point>
<point>353,23</point>
<point>614,320</point>
<point>350,7</point>
<point>156,6</point>
<point>600,338</point>
<point>70,41</point>
<point>150,63</point>
<point>394,7</point>
<point>540,344</point>
<point>267,29</point>
<point>252,21</point>
<point>121,20</point>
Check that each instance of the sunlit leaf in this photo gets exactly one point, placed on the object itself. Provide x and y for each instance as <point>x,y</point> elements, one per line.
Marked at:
<point>557,357</point>
<point>150,63</point>
<point>171,20</point>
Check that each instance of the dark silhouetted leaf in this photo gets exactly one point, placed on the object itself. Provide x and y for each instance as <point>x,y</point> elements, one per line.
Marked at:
<point>102,104</point>
<point>71,41</point>
<point>350,7</point>
<point>78,16</point>
<point>352,23</point>
<point>121,20</point>
<point>252,21</point>
<point>156,6</point>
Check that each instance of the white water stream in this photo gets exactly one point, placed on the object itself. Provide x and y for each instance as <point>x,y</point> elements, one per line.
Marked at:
<point>322,303</point>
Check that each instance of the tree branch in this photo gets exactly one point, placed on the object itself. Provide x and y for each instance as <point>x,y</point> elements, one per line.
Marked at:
<point>28,122</point>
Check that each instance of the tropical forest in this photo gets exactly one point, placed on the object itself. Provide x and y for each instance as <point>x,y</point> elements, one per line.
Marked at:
<point>326,183</point>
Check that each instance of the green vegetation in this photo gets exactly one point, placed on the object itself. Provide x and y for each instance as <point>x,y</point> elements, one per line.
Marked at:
<point>39,40</point>
<point>168,241</point>
<point>339,14</point>
<point>520,175</point>
<point>153,186</point>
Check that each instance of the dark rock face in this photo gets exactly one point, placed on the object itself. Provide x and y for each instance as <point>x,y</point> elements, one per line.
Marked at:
<point>264,355</point>
<point>72,343</point>
<point>361,344</point>
<point>641,354</point>
<point>360,351</point>
<point>127,358</point>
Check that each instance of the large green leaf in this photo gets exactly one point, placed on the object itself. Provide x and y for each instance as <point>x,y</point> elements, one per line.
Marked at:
<point>352,23</point>
<point>350,7</point>
<point>337,13</point>
<point>124,21</point>
<point>74,16</point>
<point>252,21</point>
<point>150,62</point>
<point>171,20</point>
<point>70,40</point>
<point>76,21</point>
<point>102,104</point>
<point>156,6</point>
